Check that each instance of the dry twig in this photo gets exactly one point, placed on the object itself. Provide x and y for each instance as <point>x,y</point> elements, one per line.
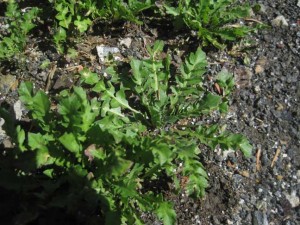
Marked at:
<point>275,157</point>
<point>50,77</point>
<point>258,162</point>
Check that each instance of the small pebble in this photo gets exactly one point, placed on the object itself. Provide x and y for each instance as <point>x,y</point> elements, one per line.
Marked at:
<point>279,21</point>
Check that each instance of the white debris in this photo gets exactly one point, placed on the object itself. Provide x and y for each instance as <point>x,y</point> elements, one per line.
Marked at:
<point>229,222</point>
<point>257,89</point>
<point>226,153</point>
<point>18,109</point>
<point>2,132</point>
<point>293,199</point>
<point>298,4</point>
<point>126,42</point>
<point>279,21</point>
<point>284,155</point>
<point>104,51</point>
<point>242,201</point>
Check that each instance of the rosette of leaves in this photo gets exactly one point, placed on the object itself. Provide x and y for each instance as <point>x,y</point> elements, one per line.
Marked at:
<point>19,26</point>
<point>128,10</point>
<point>77,16</point>
<point>91,154</point>
<point>216,21</point>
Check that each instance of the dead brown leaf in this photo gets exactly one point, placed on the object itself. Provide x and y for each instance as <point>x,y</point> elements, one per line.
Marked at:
<point>88,151</point>
<point>279,177</point>
<point>230,164</point>
<point>260,65</point>
<point>244,173</point>
<point>218,89</point>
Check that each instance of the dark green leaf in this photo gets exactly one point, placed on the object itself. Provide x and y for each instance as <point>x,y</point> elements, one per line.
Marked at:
<point>120,166</point>
<point>163,152</point>
<point>210,102</point>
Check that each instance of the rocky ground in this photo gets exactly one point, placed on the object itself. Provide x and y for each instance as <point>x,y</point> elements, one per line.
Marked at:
<point>262,190</point>
<point>265,189</point>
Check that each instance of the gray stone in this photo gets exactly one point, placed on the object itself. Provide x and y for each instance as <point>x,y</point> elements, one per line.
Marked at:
<point>260,218</point>
<point>6,83</point>
<point>227,153</point>
<point>126,42</point>
<point>279,21</point>
<point>262,9</point>
<point>261,205</point>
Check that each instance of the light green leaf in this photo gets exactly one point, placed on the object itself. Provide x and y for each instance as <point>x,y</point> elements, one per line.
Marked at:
<point>43,158</point>
<point>116,111</point>
<point>100,86</point>
<point>136,66</point>
<point>120,98</point>
<point>233,139</point>
<point>246,147</point>
<point>69,141</point>
<point>81,94</point>
<point>26,92</point>
<point>21,138</point>
<point>224,76</point>
<point>37,141</point>
<point>224,107</point>
<point>41,104</point>
<point>82,25</point>
<point>60,35</point>
<point>48,172</point>
<point>62,11</point>
<point>66,21</point>
<point>172,11</point>
<point>88,77</point>
<point>196,185</point>
<point>166,213</point>
<point>157,47</point>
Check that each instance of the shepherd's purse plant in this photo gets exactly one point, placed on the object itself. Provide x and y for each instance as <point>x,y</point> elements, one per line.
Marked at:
<point>93,152</point>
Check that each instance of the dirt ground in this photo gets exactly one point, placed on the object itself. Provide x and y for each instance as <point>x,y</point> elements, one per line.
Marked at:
<point>262,190</point>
